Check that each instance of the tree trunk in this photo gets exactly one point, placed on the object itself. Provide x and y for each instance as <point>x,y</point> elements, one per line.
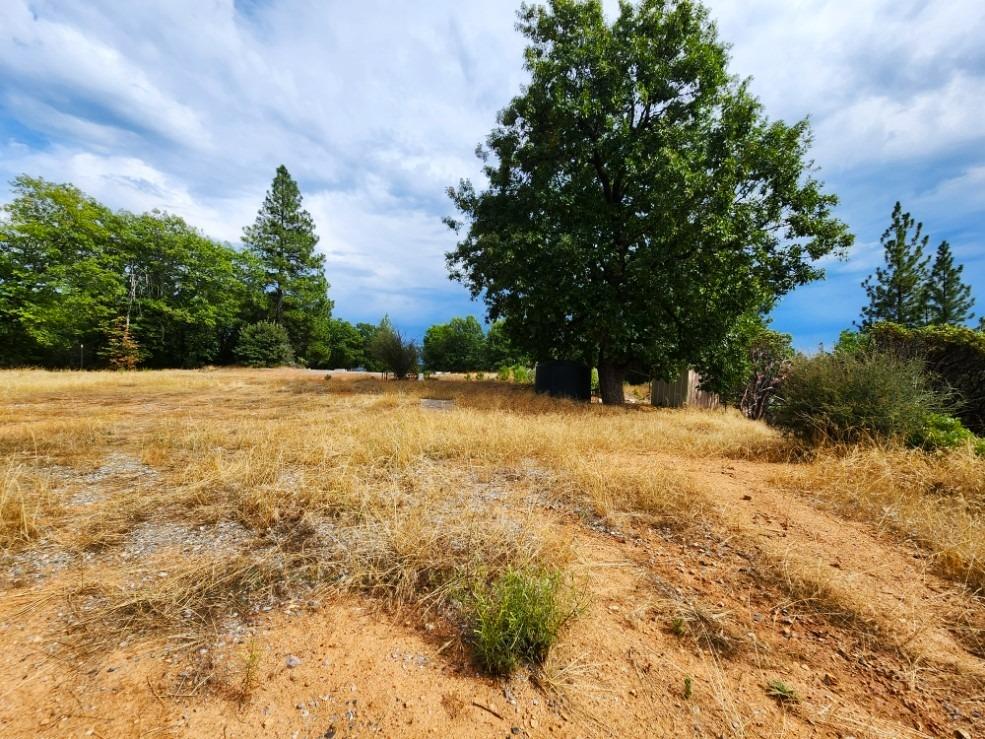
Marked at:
<point>611,376</point>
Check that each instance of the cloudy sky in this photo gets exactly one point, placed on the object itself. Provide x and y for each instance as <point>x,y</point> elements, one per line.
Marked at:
<point>376,107</point>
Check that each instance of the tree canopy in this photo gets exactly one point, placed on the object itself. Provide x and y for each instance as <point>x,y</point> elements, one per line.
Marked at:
<point>639,201</point>
<point>456,346</point>
<point>71,268</point>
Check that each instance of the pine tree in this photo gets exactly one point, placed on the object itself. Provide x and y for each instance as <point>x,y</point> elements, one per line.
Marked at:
<point>283,238</point>
<point>949,300</point>
<point>122,350</point>
<point>897,292</point>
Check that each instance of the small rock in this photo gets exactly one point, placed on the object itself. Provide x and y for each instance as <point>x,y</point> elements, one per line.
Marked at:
<point>961,734</point>
<point>292,661</point>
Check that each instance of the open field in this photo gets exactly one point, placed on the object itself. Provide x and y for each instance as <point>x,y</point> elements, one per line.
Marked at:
<point>267,553</point>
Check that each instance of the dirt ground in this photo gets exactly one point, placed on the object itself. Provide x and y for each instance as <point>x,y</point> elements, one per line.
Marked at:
<point>769,618</point>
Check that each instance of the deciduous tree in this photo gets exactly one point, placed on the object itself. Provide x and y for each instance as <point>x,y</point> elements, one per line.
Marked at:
<point>456,346</point>
<point>639,200</point>
<point>60,276</point>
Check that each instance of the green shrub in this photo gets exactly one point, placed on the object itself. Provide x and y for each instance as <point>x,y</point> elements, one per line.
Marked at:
<point>264,344</point>
<point>946,432</point>
<point>942,432</point>
<point>517,373</point>
<point>394,353</point>
<point>853,342</point>
<point>953,355</point>
<point>517,617</point>
<point>522,374</point>
<point>852,397</point>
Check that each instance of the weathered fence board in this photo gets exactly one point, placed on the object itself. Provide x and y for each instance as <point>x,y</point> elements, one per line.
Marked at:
<point>684,392</point>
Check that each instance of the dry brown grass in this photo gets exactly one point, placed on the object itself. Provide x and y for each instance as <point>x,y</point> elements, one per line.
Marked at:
<point>189,502</point>
<point>936,500</point>
<point>387,497</point>
<point>346,485</point>
<point>25,498</point>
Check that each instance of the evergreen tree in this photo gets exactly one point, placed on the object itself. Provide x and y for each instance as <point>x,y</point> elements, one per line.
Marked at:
<point>949,300</point>
<point>897,292</point>
<point>283,238</point>
<point>122,350</point>
<point>396,354</point>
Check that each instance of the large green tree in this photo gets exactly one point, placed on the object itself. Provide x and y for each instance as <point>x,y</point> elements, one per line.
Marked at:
<point>283,239</point>
<point>456,346</point>
<point>949,300</point>
<point>897,291</point>
<point>60,275</point>
<point>639,200</point>
<point>348,345</point>
<point>184,292</point>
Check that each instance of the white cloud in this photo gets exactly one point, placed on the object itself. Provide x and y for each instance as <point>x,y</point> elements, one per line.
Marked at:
<point>376,107</point>
<point>881,127</point>
<point>63,64</point>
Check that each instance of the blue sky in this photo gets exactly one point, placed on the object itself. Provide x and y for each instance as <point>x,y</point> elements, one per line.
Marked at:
<point>376,107</point>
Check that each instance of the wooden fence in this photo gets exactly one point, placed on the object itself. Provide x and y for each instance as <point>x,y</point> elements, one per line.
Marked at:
<point>684,392</point>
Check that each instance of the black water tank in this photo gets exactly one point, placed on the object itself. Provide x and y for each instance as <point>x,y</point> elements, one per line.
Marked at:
<point>563,379</point>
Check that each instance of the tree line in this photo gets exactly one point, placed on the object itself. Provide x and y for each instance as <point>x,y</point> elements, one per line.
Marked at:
<point>911,290</point>
<point>641,214</point>
<point>82,285</point>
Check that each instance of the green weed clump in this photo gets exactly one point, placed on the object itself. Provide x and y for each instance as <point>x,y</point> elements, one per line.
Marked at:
<point>517,618</point>
<point>946,432</point>
<point>516,373</point>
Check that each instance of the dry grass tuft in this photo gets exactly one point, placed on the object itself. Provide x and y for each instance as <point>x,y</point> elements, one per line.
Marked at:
<point>937,500</point>
<point>196,595</point>
<point>709,628</point>
<point>25,499</point>
<point>624,486</point>
<point>811,588</point>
